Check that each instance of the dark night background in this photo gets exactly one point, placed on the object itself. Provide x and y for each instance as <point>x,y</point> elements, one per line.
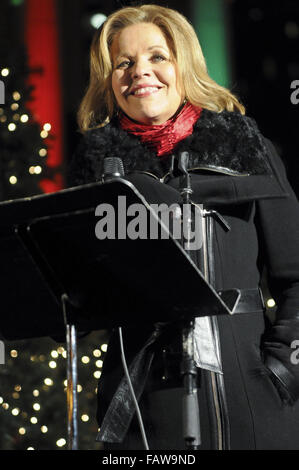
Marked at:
<point>263,42</point>
<point>264,53</point>
<point>263,46</point>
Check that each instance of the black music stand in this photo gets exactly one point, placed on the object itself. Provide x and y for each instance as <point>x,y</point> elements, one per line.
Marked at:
<point>86,284</point>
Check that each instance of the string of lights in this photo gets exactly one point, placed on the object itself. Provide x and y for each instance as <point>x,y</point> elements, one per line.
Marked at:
<point>24,142</point>
<point>33,393</point>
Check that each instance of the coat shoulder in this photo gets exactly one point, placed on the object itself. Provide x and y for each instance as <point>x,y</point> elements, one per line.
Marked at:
<point>229,139</point>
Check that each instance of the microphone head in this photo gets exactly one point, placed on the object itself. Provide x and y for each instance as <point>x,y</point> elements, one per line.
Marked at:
<point>113,168</point>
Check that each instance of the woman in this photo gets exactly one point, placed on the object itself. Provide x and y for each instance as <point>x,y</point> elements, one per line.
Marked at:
<point>149,98</point>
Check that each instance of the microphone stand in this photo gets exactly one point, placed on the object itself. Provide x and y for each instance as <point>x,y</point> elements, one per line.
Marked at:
<point>191,418</point>
<point>113,168</point>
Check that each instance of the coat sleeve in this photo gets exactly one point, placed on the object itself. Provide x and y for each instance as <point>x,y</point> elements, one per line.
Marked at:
<point>278,222</point>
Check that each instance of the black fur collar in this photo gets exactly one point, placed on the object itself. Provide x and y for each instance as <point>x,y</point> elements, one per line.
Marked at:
<point>227,140</point>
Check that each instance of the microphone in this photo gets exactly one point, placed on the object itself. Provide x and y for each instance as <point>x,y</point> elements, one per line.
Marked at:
<point>113,168</point>
<point>185,180</point>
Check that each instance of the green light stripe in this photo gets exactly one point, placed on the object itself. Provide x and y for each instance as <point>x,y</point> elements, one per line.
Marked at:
<point>16,3</point>
<point>210,25</point>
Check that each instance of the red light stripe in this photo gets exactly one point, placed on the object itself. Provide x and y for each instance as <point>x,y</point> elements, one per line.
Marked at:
<point>41,36</point>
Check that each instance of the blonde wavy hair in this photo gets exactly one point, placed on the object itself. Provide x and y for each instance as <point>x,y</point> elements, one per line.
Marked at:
<point>99,105</point>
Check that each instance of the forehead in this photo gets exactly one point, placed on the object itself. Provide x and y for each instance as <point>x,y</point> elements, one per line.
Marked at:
<point>136,38</point>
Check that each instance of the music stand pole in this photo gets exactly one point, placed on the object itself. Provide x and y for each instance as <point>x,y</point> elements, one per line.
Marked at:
<point>72,379</point>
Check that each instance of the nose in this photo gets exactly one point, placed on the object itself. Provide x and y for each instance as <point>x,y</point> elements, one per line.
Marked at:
<point>141,68</point>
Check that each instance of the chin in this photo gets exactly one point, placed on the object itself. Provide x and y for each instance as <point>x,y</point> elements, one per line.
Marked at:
<point>153,118</point>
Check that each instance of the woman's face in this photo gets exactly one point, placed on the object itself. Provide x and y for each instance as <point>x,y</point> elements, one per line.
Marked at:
<point>144,77</point>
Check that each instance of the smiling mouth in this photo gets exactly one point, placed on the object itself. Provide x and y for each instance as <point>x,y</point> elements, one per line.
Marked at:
<point>145,91</point>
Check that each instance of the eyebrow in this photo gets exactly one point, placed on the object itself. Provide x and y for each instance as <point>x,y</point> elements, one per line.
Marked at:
<point>125,54</point>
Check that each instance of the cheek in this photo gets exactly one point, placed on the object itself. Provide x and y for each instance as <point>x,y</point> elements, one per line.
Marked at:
<point>119,86</point>
<point>115,84</point>
<point>170,76</point>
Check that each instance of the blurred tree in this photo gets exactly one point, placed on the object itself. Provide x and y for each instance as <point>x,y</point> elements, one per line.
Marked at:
<point>23,149</point>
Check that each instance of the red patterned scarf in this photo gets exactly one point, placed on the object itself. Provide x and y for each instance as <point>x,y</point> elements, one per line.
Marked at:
<point>163,137</point>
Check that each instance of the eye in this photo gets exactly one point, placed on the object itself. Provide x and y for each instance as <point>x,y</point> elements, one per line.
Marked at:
<point>124,64</point>
<point>158,58</point>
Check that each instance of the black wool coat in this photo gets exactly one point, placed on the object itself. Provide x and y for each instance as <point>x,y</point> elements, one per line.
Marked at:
<point>237,172</point>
